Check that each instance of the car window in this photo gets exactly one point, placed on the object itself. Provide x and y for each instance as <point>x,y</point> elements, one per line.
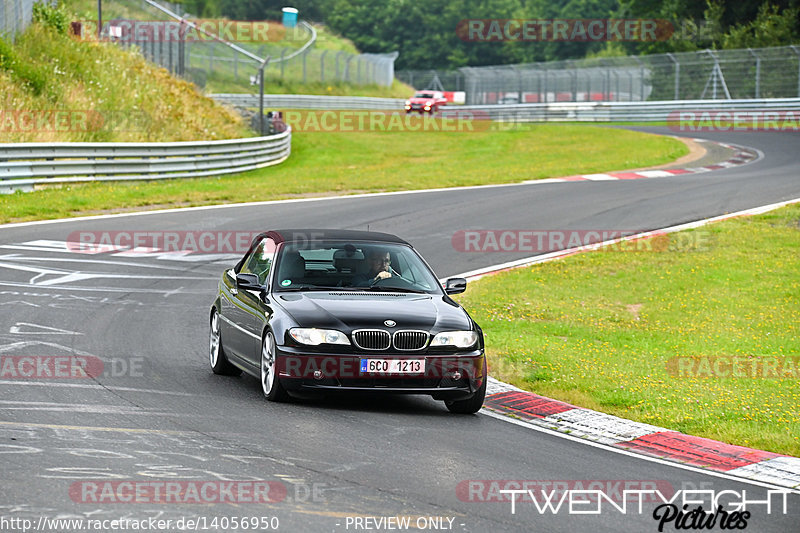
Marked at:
<point>354,265</point>
<point>259,262</point>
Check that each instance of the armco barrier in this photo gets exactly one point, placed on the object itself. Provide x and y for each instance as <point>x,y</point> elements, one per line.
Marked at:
<point>310,101</point>
<point>620,111</point>
<point>23,165</point>
<point>552,111</point>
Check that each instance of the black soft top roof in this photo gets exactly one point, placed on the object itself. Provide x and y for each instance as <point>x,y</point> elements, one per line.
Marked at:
<point>289,235</point>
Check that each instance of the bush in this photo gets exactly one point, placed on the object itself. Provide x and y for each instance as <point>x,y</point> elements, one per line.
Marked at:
<point>52,14</point>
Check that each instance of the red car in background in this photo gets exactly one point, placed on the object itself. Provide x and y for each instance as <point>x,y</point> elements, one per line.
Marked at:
<point>426,102</point>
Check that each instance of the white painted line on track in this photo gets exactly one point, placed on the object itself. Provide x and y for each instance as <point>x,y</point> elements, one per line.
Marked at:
<point>598,177</point>
<point>99,388</point>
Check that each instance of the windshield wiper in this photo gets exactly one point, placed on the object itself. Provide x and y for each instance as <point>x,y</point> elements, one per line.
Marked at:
<point>376,288</point>
<point>309,288</point>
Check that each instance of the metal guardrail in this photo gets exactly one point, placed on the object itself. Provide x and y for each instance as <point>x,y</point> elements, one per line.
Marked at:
<point>310,101</point>
<point>616,111</point>
<point>24,165</point>
<point>552,111</point>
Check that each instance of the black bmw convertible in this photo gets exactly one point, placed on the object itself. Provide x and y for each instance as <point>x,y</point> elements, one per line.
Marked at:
<point>337,310</point>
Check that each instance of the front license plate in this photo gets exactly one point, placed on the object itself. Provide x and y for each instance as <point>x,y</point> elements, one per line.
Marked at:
<point>393,366</point>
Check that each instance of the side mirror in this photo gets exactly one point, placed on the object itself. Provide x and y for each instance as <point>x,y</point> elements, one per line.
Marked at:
<point>248,282</point>
<point>455,285</point>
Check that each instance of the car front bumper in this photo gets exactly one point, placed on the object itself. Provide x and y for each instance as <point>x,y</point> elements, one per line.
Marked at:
<point>446,376</point>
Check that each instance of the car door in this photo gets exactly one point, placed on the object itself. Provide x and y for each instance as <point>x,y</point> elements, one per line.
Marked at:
<point>245,311</point>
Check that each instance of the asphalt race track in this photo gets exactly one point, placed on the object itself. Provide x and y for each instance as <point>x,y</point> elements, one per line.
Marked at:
<point>158,414</point>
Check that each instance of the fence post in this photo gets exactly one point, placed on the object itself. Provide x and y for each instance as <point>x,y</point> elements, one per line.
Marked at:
<point>305,55</point>
<point>338,74</point>
<point>758,72</point>
<point>283,63</point>
<point>796,51</point>
<point>322,66</point>
<point>347,68</point>
<point>261,96</point>
<point>181,49</point>
<point>677,76</point>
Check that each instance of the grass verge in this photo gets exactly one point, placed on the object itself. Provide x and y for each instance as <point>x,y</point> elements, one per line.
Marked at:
<point>56,88</point>
<point>679,340</point>
<point>342,163</point>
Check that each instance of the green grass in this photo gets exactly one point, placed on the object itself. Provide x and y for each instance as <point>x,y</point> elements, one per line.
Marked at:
<point>598,329</point>
<point>342,163</point>
<point>126,98</point>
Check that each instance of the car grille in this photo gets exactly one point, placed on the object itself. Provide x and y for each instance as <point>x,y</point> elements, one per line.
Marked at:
<point>410,340</point>
<point>372,339</point>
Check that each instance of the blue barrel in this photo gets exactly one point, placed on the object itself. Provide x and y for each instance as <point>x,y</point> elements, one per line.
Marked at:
<point>289,17</point>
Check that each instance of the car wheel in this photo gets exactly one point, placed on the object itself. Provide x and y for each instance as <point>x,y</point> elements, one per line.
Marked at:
<point>270,383</point>
<point>470,405</point>
<point>216,353</point>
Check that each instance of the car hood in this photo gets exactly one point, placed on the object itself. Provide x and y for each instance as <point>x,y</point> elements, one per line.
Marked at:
<point>354,310</point>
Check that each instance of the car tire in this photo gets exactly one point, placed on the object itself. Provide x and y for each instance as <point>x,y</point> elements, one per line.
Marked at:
<point>270,383</point>
<point>216,353</point>
<point>470,405</point>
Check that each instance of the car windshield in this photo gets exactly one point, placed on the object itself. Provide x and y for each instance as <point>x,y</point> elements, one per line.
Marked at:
<point>423,95</point>
<point>352,266</point>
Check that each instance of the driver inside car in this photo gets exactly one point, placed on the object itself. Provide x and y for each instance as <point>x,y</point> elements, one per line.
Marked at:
<point>379,267</point>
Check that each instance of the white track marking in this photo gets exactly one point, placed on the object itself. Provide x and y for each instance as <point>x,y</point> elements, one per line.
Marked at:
<point>93,387</point>
<point>38,329</point>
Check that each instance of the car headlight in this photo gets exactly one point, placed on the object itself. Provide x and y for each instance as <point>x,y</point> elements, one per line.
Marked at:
<point>459,339</point>
<point>408,102</point>
<point>315,337</point>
